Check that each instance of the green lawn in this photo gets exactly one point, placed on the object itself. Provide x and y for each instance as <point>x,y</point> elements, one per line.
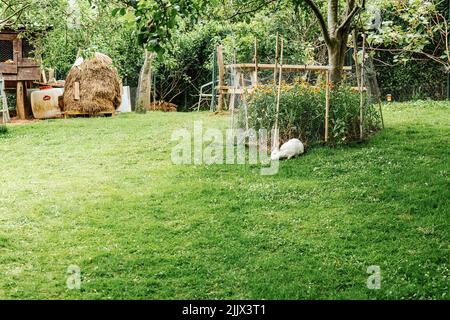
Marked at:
<point>103,194</point>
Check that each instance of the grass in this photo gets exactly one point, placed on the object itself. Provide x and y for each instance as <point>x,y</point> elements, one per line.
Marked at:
<point>103,194</point>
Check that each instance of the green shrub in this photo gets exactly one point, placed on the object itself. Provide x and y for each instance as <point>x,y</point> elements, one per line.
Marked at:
<point>3,129</point>
<point>302,113</point>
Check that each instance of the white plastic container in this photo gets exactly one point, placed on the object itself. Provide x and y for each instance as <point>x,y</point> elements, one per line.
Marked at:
<point>126,101</point>
<point>45,103</point>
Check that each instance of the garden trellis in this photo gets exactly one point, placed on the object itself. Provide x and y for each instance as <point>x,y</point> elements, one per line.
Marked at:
<point>245,78</point>
<point>235,84</point>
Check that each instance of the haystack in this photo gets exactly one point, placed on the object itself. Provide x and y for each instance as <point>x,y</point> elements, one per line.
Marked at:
<point>99,87</point>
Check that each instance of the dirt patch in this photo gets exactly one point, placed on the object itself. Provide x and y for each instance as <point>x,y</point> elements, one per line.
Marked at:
<point>163,106</point>
<point>18,122</point>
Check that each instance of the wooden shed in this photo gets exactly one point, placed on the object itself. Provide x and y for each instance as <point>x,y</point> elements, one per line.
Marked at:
<point>18,68</point>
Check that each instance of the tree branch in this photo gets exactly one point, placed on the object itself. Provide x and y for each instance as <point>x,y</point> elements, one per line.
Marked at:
<point>321,19</point>
<point>351,15</point>
<point>6,21</point>
<point>240,11</point>
<point>429,56</point>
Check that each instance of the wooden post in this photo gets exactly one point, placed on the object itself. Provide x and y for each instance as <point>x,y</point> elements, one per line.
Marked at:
<point>361,107</point>
<point>276,143</point>
<point>28,107</point>
<point>255,59</point>
<point>43,76</point>
<point>355,57</point>
<point>327,104</point>
<point>381,112</point>
<point>233,95</point>
<point>235,86</point>
<point>150,86</point>
<point>20,101</point>
<point>51,75</point>
<point>221,79</point>
<point>276,60</point>
<point>245,103</point>
<point>214,79</point>
<point>154,88</point>
<point>76,91</point>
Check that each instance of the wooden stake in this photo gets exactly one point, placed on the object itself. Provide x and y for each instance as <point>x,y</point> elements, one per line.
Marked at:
<point>255,59</point>
<point>154,89</point>
<point>43,76</point>
<point>327,105</point>
<point>361,107</point>
<point>355,57</point>
<point>221,79</point>
<point>214,80</point>
<point>233,95</point>
<point>276,60</point>
<point>276,143</point>
<point>51,75</point>
<point>381,112</point>
<point>150,87</point>
<point>235,86</point>
<point>245,104</point>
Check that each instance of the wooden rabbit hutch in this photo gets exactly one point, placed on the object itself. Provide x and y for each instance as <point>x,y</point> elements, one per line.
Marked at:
<point>17,67</point>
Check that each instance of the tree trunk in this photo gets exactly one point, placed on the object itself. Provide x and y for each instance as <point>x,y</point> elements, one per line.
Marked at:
<point>336,33</point>
<point>143,99</point>
<point>336,57</point>
<point>221,79</point>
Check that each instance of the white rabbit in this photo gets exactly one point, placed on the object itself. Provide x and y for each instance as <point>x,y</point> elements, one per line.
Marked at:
<point>290,149</point>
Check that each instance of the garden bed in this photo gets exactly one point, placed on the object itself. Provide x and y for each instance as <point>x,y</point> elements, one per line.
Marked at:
<point>302,113</point>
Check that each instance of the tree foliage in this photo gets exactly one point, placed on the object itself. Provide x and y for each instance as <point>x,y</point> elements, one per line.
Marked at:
<point>32,14</point>
<point>156,20</point>
<point>184,33</point>
<point>68,29</point>
<point>413,29</point>
<point>11,11</point>
<point>186,62</point>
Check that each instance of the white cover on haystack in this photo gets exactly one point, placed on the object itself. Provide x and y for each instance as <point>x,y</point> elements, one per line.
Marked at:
<point>78,62</point>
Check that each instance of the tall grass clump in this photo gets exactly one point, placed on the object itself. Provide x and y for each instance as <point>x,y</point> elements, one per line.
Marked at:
<point>302,113</point>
